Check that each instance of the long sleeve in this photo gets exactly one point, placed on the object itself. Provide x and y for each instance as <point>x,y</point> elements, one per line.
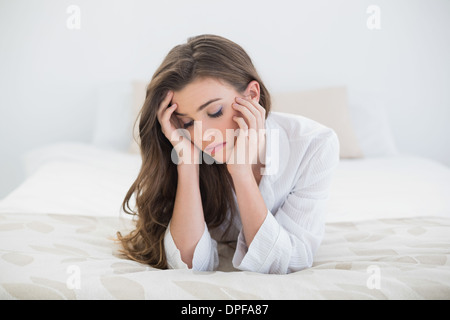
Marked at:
<point>288,238</point>
<point>205,255</point>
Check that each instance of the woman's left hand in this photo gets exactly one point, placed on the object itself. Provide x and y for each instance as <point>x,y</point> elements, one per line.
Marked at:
<point>250,141</point>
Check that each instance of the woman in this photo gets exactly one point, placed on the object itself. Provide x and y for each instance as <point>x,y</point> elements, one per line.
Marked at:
<point>218,165</point>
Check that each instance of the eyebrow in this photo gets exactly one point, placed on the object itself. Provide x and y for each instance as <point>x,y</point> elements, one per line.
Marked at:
<point>203,106</point>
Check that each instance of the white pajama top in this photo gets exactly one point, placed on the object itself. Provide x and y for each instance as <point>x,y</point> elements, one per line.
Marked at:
<point>301,156</point>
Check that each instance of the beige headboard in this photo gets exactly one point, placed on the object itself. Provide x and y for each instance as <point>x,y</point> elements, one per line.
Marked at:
<point>328,106</point>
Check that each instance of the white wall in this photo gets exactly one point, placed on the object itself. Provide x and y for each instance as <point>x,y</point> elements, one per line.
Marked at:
<point>49,74</point>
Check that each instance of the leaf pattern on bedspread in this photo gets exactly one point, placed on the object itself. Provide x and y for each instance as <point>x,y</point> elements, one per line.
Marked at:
<point>204,290</point>
<point>42,255</point>
<point>123,288</point>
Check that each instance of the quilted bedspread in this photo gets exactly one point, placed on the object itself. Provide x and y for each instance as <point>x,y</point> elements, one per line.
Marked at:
<point>52,256</point>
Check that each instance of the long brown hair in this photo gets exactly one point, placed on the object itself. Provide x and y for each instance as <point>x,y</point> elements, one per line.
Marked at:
<point>155,187</point>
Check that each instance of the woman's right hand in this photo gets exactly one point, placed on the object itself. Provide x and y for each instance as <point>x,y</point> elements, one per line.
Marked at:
<point>170,126</point>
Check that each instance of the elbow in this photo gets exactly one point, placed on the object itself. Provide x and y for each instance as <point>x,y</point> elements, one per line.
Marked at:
<point>298,268</point>
<point>300,260</point>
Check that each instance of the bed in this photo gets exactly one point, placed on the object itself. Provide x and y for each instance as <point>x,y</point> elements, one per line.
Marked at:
<point>387,234</point>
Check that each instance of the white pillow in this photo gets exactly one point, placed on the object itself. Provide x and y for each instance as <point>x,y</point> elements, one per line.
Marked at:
<point>113,125</point>
<point>371,124</point>
<point>328,106</point>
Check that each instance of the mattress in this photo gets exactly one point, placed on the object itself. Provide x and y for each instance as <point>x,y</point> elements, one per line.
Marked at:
<point>387,236</point>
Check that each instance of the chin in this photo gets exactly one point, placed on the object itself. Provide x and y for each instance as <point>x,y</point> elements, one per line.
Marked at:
<point>219,158</point>
<point>216,159</point>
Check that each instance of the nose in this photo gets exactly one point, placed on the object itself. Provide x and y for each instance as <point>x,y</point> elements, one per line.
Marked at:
<point>203,136</point>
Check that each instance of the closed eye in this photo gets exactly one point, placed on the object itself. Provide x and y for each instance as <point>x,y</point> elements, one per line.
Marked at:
<point>215,115</point>
<point>187,125</point>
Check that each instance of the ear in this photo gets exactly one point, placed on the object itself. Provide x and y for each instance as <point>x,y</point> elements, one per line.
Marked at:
<point>253,91</point>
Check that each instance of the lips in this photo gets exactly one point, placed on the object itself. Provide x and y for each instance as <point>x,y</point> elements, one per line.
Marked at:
<point>215,147</point>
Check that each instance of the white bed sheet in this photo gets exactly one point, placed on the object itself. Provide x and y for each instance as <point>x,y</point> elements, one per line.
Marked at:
<point>399,186</point>
<point>76,178</point>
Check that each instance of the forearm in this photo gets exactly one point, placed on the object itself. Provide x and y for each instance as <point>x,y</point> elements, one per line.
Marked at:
<point>251,204</point>
<point>188,223</point>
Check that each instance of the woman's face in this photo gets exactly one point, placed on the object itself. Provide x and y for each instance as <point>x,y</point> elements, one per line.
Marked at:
<point>208,101</point>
